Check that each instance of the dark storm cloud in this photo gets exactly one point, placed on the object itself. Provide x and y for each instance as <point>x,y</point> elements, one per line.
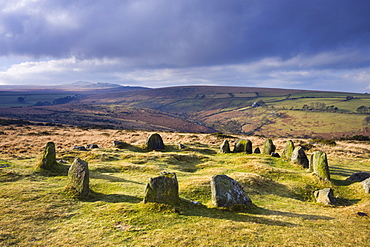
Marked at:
<point>183,33</point>
<point>309,44</point>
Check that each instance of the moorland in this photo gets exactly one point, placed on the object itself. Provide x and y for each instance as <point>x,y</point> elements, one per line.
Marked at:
<point>36,209</point>
<point>204,109</point>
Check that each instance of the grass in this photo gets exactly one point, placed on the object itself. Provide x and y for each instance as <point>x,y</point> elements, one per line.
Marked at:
<point>36,210</point>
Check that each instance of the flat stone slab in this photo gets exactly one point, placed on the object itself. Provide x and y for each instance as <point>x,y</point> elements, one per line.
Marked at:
<point>358,176</point>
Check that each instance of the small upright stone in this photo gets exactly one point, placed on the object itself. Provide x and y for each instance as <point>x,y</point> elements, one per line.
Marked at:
<point>257,151</point>
<point>163,189</point>
<point>155,142</point>
<point>243,146</point>
<point>180,146</point>
<point>325,196</point>
<point>288,150</point>
<point>49,157</point>
<point>225,147</point>
<point>276,155</point>
<point>299,157</point>
<point>319,165</point>
<point>226,192</point>
<point>78,175</point>
<point>92,146</point>
<point>366,185</point>
<point>79,148</point>
<point>268,147</point>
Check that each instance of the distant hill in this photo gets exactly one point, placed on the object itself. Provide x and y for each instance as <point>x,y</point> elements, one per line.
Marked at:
<point>238,110</point>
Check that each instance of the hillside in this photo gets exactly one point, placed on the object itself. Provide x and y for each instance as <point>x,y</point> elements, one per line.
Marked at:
<point>234,110</point>
<point>278,112</point>
<point>36,210</point>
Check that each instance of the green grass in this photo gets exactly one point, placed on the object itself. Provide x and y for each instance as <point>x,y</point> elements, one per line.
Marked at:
<point>36,210</point>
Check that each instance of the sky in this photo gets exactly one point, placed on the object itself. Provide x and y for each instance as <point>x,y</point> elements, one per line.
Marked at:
<point>295,44</point>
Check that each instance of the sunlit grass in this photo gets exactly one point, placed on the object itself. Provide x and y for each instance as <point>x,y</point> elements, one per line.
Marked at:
<point>36,210</point>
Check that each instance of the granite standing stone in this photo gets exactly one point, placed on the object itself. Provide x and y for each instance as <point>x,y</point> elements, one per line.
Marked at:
<point>155,142</point>
<point>299,157</point>
<point>225,147</point>
<point>319,165</point>
<point>268,147</point>
<point>325,196</point>
<point>243,146</point>
<point>227,192</point>
<point>163,189</point>
<point>49,157</point>
<point>288,150</point>
<point>78,175</point>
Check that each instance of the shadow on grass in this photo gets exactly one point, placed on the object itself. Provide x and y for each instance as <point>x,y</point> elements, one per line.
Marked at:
<point>58,170</point>
<point>345,201</point>
<point>112,198</point>
<point>263,211</point>
<point>252,213</point>
<point>344,172</point>
<point>241,216</point>
<point>338,182</point>
<point>111,178</point>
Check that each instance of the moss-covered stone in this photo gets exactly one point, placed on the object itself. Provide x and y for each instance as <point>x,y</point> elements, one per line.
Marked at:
<point>268,147</point>
<point>320,165</point>
<point>226,192</point>
<point>163,189</point>
<point>225,147</point>
<point>288,150</point>
<point>48,161</point>
<point>155,142</point>
<point>78,175</point>
<point>299,157</point>
<point>243,146</point>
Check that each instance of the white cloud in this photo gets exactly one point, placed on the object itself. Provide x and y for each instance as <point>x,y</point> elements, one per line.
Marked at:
<point>296,72</point>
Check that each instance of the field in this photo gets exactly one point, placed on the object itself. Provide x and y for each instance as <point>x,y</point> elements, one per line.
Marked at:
<point>35,209</point>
